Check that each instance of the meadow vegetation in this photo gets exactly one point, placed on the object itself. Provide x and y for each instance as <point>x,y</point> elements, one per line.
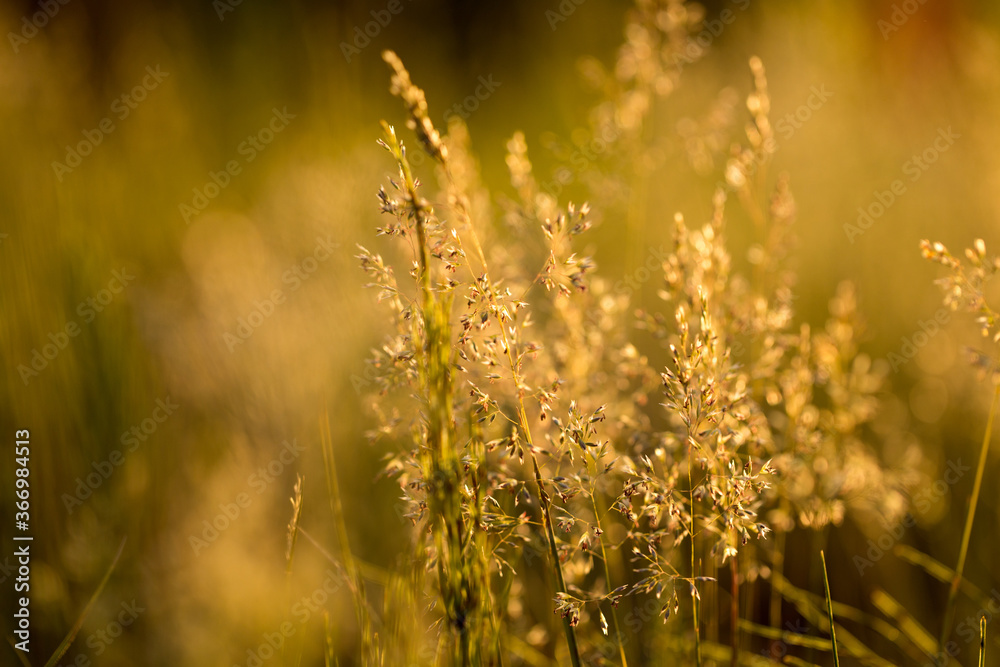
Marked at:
<point>648,470</point>
<point>650,368</point>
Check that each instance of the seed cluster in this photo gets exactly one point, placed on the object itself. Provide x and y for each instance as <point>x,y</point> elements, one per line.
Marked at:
<point>540,431</point>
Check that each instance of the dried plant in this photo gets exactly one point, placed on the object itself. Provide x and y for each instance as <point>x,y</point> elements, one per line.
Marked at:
<point>965,288</point>
<point>538,431</point>
<point>767,418</point>
<point>466,367</point>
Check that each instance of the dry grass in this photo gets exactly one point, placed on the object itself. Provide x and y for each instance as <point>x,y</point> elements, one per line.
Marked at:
<point>681,467</point>
<point>541,432</point>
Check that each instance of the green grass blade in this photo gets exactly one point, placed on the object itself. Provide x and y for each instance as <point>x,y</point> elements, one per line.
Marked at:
<point>71,635</point>
<point>829,609</point>
<point>813,613</point>
<point>937,569</point>
<point>790,638</point>
<point>908,625</point>
<point>356,584</point>
<point>843,611</point>
<point>949,611</point>
<point>941,572</point>
<point>721,654</point>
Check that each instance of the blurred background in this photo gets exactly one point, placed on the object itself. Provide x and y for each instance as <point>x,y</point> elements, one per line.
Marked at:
<point>184,189</point>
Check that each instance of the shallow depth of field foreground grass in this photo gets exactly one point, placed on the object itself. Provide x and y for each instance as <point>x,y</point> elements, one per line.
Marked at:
<point>431,333</point>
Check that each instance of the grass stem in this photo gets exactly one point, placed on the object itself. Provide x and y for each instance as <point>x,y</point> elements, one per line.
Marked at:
<point>734,610</point>
<point>982,641</point>
<point>607,577</point>
<point>963,552</point>
<point>694,571</point>
<point>829,611</point>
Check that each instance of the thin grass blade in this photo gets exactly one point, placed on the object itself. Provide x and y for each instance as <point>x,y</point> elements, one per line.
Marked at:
<point>963,552</point>
<point>71,635</point>
<point>908,625</point>
<point>982,641</point>
<point>829,609</point>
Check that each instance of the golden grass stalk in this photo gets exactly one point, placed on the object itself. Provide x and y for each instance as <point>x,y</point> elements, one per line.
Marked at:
<point>293,524</point>
<point>982,641</point>
<point>460,585</point>
<point>436,371</point>
<point>694,572</point>
<point>525,425</point>
<point>607,571</point>
<point>734,610</point>
<point>908,626</point>
<point>829,611</point>
<point>963,552</point>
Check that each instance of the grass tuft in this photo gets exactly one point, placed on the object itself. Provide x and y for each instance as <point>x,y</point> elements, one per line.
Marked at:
<point>548,434</point>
